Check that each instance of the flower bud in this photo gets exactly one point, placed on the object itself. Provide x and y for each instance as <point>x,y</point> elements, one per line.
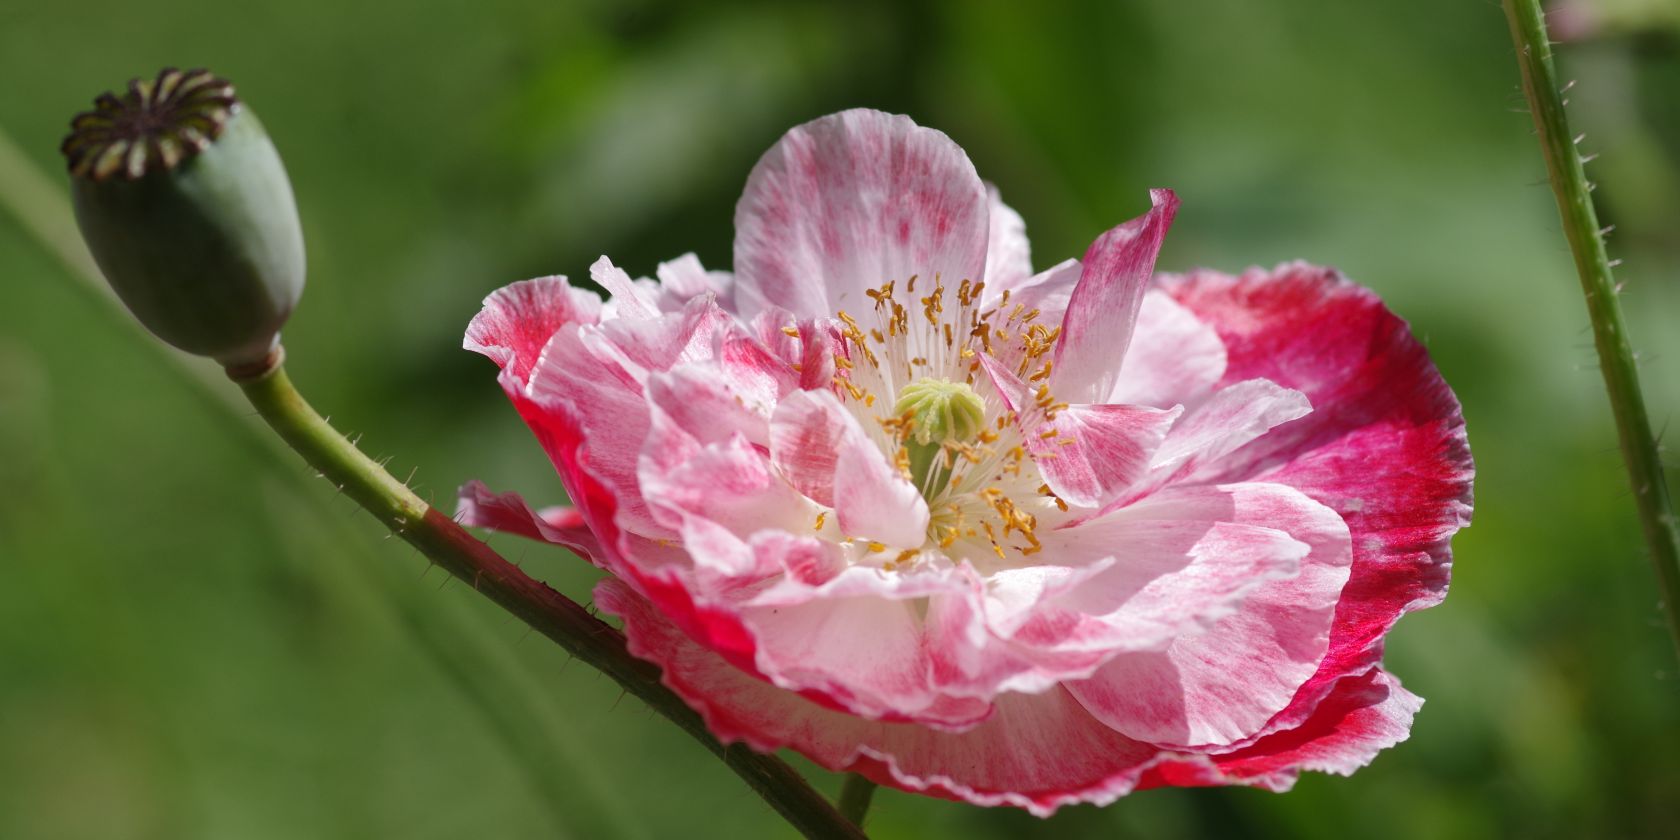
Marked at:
<point>187,209</point>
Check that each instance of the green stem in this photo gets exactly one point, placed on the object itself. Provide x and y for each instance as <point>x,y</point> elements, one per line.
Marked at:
<point>548,612</point>
<point>855,796</point>
<point>1615,354</point>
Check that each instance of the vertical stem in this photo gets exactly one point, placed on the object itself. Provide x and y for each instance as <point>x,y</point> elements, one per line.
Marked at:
<point>1615,354</point>
<point>855,796</point>
<point>548,612</point>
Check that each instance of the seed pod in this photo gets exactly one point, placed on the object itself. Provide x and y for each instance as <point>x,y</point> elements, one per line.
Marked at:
<point>186,207</point>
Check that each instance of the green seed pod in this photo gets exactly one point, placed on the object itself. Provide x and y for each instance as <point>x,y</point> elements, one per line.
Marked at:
<point>187,209</point>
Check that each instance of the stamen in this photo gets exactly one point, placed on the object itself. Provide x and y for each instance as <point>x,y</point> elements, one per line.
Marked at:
<point>944,428</point>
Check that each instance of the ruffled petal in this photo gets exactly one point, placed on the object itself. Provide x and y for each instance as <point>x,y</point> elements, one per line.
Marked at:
<point>1361,716</point>
<point>1173,358</point>
<point>629,300</point>
<point>820,448</point>
<point>707,404</point>
<point>1384,447</point>
<point>1037,752</point>
<point>1222,685</point>
<point>1098,451</point>
<point>727,483</point>
<point>477,506</point>
<point>805,443</point>
<point>1008,254</point>
<point>857,641</point>
<point>1223,423</point>
<point>1047,291</point>
<point>1183,559</point>
<point>1088,454</point>
<point>684,279</point>
<point>588,389</point>
<point>1097,326</point>
<point>659,341</point>
<point>518,320</point>
<point>850,201</point>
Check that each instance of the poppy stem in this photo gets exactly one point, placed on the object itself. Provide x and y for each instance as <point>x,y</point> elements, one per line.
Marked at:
<point>1569,181</point>
<point>855,796</point>
<point>563,620</point>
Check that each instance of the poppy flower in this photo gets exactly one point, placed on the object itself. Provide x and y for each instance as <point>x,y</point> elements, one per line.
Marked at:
<point>887,497</point>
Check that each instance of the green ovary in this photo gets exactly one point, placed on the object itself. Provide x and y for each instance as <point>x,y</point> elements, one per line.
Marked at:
<point>941,413</point>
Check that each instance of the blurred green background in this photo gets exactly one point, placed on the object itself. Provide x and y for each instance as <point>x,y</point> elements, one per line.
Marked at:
<point>197,640</point>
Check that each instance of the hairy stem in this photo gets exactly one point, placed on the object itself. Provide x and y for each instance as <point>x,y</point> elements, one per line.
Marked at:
<point>548,612</point>
<point>1615,355</point>
<point>855,796</point>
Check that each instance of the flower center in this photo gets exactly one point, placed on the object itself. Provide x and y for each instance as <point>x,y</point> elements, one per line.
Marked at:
<point>914,378</point>
<point>943,417</point>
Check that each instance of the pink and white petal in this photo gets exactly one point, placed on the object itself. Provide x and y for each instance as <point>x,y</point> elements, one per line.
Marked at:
<point>805,434</point>
<point>818,446</point>
<point>872,499</point>
<point>592,377</point>
<point>716,496</point>
<point>1173,358</point>
<point>807,347</point>
<point>1230,418</point>
<point>701,400</point>
<point>850,201</point>
<point>1131,582</point>
<point>1008,254</point>
<point>1184,559</point>
<point>1361,716</point>
<point>1013,595</point>
<point>865,653</point>
<point>1048,291</point>
<point>778,331</point>
<point>971,634</point>
<point>729,483</point>
<point>518,320</point>
<point>1037,752</point>
<point>660,341</point>
<point>1088,454</point>
<point>852,579</point>
<point>592,409</point>
<point>805,561</point>
<point>629,300</point>
<point>1097,327</point>
<point>556,424</point>
<point>821,343</point>
<point>754,372</point>
<point>684,278</point>
<point>1223,685</point>
<point>1385,445</point>
<point>1098,451</point>
<point>681,279</point>
<point>478,507</point>
<point>1011,390</point>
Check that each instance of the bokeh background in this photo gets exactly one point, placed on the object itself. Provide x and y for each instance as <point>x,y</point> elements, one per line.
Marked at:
<point>198,640</point>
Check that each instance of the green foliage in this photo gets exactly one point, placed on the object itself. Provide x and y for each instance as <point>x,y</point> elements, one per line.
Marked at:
<point>195,641</point>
